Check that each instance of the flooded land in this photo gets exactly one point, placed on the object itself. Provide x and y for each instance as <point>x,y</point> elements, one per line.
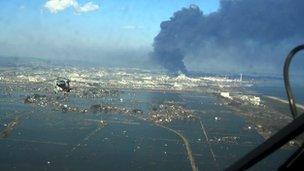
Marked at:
<point>119,119</point>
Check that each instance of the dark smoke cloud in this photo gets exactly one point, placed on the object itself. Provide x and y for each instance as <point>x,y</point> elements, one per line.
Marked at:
<point>244,34</point>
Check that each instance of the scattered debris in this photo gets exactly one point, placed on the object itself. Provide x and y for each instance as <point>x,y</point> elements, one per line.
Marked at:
<point>169,112</point>
<point>36,98</point>
<point>225,139</point>
<point>217,118</point>
<point>106,108</point>
<point>10,127</point>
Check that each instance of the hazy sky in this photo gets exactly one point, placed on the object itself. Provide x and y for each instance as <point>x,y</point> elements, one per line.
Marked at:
<point>80,28</point>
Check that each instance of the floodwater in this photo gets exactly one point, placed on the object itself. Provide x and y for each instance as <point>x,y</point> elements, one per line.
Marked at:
<point>45,139</point>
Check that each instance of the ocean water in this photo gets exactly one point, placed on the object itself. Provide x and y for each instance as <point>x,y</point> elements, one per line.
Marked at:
<point>274,86</point>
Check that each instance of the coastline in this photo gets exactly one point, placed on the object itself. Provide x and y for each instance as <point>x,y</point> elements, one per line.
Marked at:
<point>284,101</point>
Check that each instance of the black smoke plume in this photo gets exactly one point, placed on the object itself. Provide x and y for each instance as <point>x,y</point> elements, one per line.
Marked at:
<point>242,34</point>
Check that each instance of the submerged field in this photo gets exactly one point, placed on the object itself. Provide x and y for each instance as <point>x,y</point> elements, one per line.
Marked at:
<point>132,120</point>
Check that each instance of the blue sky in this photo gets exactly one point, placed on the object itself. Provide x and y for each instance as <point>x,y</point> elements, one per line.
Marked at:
<point>30,28</point>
